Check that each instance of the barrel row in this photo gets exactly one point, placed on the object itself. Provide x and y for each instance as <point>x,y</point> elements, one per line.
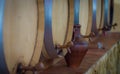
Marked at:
<point>30,29</point>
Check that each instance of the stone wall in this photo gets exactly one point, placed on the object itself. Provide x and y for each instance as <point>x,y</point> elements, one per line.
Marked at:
<point>109,63</point>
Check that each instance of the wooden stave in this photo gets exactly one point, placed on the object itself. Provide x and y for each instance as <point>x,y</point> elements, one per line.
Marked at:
<point>84,13</point>
<point>99,13</point>
<point>40,34</point>
<point>89,24</point>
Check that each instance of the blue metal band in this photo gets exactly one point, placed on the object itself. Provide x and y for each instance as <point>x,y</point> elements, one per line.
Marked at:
<point>94,25</point>
<point>3,66</point>
<point>48,39</point>
<point>76,11</point>
<point>111,11</point>
<point>106,12</point>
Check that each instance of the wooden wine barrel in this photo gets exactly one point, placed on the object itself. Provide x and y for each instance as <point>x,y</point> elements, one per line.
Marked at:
<point>58,26</point>
<point>19,34</point>
<point>107,13</point>
<point>97,14</point>
<point>116,16</point>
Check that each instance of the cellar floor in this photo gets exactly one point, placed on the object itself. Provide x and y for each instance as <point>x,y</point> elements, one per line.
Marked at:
<point>92,56</point>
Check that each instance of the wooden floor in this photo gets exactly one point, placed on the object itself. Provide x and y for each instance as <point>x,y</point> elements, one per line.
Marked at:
<point>92,56</point>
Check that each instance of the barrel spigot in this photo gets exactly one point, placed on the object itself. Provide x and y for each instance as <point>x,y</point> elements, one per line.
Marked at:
<point>21,69</point>
<point>107,28</point>
<point>65,46</point>
<point>92,34</point>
